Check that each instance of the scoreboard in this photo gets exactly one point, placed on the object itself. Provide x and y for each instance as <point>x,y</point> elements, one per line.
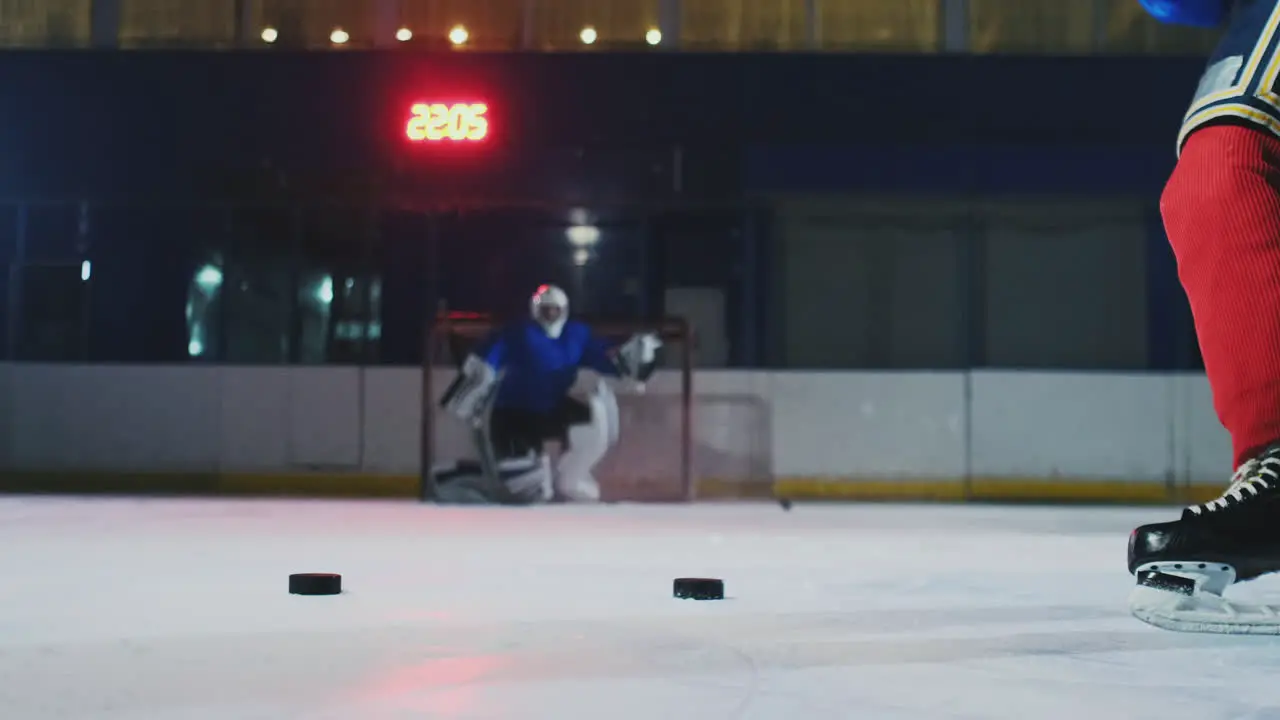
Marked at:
<point>447,122</point>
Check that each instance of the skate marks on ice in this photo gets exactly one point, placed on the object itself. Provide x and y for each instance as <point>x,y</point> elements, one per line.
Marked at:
<point>839,613</point>
<point>722,657</point>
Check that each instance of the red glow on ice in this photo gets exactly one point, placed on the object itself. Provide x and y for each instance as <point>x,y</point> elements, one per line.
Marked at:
<point>446,687</point>
<point>452,122</point>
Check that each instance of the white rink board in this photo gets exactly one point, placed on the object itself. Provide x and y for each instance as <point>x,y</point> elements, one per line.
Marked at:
<point>833,425</point>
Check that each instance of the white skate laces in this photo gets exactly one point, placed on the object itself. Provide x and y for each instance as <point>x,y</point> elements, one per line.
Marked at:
<point>1249,479</point>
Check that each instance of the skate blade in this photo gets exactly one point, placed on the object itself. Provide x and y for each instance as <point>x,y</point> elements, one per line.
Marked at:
<point>1202,613</point>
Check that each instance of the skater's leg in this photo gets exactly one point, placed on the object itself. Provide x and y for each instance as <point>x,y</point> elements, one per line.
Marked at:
<point>1221,210</point>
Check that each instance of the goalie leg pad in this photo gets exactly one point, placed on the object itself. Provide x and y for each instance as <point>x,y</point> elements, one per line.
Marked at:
<point>509,466</point>
<point>528,479</point>
<point>522,481</point>
<point>608,404</point>
<point>587,445</point>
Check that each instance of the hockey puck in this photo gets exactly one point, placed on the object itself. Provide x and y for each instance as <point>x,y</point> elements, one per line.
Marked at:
<point>698,588</point>
<point>785,503</point>
<point>315,584</point>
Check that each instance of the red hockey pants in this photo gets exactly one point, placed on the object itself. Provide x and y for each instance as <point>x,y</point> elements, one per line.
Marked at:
<point>1221,211</point>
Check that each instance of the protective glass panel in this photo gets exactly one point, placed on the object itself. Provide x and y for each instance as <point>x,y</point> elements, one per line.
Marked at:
<point>743,24</point>
<point>898,280</point>
<point>1094,254</point>
<point>53,301</point>
<point>1032,26</point>
<point>338,291</point>
<point>257,285</point>
<point>1129,29</point>
<point>44,23</point>
<point>488,24</point>
<point>880,25</point>
<point>312,23</point>
<point>567,24</point>
<point>177,23</point>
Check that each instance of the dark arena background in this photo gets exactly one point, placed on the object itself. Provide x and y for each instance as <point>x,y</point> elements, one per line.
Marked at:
<point>900,252</point>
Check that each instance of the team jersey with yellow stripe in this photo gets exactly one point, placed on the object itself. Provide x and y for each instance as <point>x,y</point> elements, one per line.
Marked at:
<point>1240,82</point>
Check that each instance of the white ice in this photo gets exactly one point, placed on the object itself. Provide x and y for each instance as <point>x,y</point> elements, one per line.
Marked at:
<point>178,610</point>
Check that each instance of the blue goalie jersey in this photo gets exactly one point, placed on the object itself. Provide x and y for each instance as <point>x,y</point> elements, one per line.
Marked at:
<point>540,370</point>
<point>1240,83</point>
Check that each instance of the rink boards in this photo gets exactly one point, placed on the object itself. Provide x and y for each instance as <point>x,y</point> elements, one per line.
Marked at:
<point>354,432</point>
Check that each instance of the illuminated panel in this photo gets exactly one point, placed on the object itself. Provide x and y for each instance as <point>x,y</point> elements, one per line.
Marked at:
<point>447,122</point>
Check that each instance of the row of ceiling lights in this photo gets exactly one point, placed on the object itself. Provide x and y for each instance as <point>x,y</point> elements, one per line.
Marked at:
<point>458,35</point>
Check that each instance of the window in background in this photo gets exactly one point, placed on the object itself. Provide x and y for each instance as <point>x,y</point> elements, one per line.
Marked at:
<point>1038,254</point>
<point>887,277</point>
<point>45,23</point>
<point>203,310</point>
<point>880,25</point>
<point>478,24</point>
<point>743,24</point>
<point>259,308</point>
<point>8,256</point>
<point>568,24</point>
<point>53,302</point>
<point>145,258</point>
<point>335,316</point>
<point>255,280</point>
<point>402,287</point>
<point>177,23</point>
<point>1032,26</point>
<point>317,23</point>
<point>1129,29</point>
<point>337,294</point>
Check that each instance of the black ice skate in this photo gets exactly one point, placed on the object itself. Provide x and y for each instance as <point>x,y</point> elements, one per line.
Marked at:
<point>1184,566</point>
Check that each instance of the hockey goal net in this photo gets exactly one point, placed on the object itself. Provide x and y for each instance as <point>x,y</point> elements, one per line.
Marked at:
<point>653,460</point>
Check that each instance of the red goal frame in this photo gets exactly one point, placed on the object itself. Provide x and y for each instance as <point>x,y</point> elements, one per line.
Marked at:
<point>444,332</point>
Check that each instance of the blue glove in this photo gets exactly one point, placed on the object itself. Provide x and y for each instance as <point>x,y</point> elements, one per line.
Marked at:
<point>1196,13</point>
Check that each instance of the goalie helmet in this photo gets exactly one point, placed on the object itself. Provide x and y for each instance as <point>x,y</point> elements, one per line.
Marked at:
<point>549,307</point>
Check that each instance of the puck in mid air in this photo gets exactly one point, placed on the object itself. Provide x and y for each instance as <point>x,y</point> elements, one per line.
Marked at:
<point>315,584</point>
<point>698,588</point>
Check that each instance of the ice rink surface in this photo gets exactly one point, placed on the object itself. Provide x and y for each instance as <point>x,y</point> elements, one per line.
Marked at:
<point>178,610</point>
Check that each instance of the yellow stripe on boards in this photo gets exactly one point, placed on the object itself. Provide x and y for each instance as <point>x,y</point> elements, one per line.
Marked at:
<point>832,488</point>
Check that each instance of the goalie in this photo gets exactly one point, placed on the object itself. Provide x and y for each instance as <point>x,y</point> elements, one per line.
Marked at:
<point>514,394</point>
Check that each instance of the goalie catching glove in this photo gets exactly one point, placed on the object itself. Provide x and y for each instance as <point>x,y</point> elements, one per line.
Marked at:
<point>637,358</point>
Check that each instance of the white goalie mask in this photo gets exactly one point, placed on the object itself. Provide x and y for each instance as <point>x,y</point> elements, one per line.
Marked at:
<point>549,307</point>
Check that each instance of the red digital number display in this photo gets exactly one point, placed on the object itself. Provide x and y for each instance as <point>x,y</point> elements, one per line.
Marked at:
<point>436,122</point>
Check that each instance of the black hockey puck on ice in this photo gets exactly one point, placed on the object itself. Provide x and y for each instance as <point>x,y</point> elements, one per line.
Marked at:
<point>785,503</point>
<point>698,588</point>
<point>315,584</point>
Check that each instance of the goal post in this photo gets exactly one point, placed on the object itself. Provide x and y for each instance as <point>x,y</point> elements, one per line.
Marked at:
<point>654,458</point>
